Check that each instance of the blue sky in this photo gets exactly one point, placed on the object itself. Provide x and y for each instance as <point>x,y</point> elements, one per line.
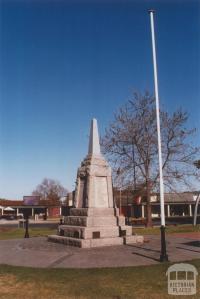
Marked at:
<point>65,62</point>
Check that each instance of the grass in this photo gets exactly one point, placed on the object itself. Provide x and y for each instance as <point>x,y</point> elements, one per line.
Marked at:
<point>116,283</point>
<point>56,219</point>
<point>184,228</point>
<point>18,233</point>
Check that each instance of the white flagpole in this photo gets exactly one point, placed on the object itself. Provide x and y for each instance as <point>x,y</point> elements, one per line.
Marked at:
<point>162,206</point>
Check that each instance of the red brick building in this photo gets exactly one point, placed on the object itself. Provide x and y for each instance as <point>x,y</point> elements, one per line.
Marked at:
<point>17,207</point>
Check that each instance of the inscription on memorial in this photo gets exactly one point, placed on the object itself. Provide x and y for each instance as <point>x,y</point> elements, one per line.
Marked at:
<point>101,192</point>
<point>96,235</point>
<point>82,192</point>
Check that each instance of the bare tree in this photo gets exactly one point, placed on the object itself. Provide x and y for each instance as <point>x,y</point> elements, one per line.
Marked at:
<point>50,190</point>
<point>130,142</point>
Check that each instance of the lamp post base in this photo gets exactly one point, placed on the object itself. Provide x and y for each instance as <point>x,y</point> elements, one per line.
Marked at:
<point>26,229</point>
<point>163,254</point>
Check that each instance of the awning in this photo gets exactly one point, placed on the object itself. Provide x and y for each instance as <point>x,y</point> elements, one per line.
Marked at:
<point>9,209</point>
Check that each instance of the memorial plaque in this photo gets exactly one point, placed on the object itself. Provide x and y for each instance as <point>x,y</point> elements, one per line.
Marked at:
<point>96,235</point>
<point>101,192</point>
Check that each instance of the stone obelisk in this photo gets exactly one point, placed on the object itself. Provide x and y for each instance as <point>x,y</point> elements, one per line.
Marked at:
<point>94,221</point>
<point>94,182</point>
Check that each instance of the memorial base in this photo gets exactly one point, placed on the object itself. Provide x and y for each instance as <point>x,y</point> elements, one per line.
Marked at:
<point>95,227</point>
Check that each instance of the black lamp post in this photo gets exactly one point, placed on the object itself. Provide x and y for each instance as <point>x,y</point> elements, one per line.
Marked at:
<point>26,217</point>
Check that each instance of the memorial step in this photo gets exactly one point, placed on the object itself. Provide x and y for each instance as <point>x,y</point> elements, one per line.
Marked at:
<point>90,221</point>
<point>83,243</point>
<point>82,232</point>
<point>94,212</point>
<point>134,239</point>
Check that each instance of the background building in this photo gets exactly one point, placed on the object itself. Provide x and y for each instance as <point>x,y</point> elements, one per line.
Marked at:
<point>179,207</point>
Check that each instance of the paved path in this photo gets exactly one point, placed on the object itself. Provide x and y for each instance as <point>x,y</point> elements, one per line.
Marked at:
<point>37,252</point>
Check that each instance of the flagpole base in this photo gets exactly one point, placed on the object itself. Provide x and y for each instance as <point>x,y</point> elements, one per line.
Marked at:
<point>163,254</point>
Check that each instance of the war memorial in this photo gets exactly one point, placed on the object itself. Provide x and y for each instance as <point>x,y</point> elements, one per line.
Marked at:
<point>95,219</point>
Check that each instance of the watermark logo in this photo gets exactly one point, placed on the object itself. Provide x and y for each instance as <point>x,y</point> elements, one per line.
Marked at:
<point>182,279</point>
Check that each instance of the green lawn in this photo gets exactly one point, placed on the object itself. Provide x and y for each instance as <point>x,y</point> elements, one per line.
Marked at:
<point>184,228</point>
<point>116,283</point>
<point>17,233</point>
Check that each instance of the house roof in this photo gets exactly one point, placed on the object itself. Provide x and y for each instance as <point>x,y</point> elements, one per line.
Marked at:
<point>7,202</point>
<point>126,198</point>
<point>178,197</point>
<point>20,203</point>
